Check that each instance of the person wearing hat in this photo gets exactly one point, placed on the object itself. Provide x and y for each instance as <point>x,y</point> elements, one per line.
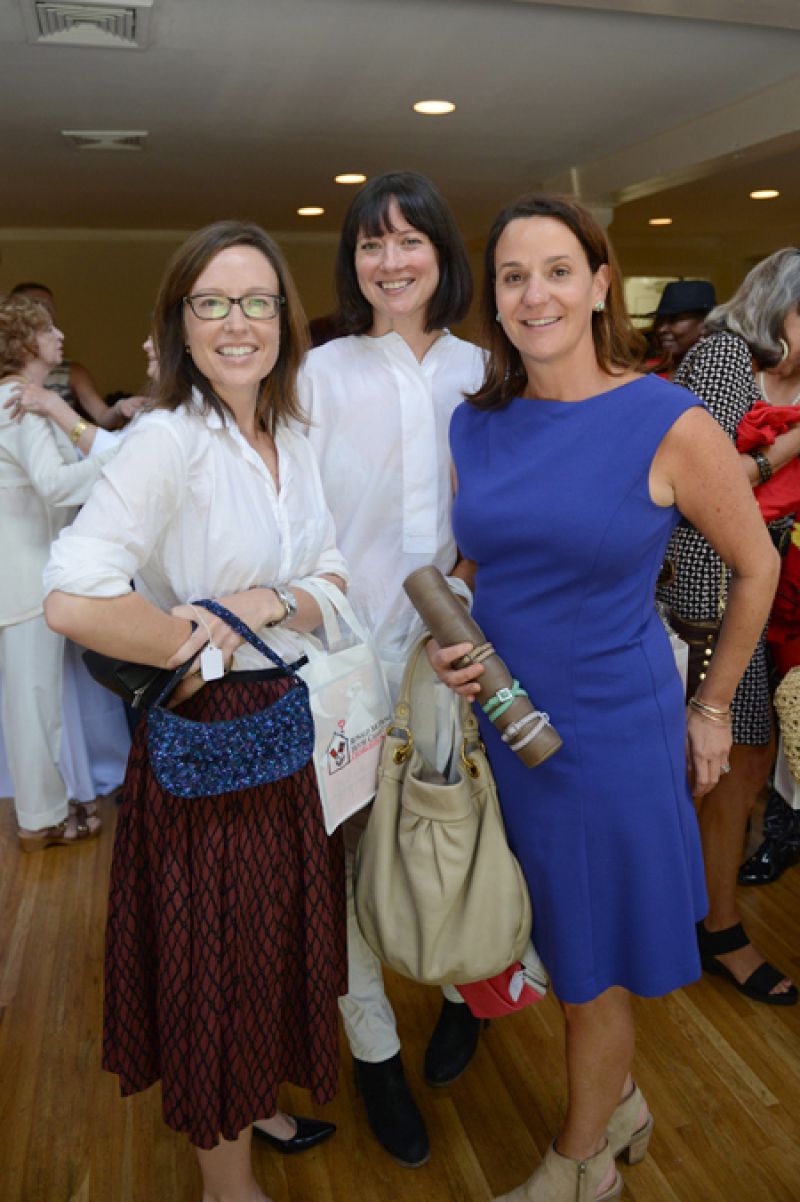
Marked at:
<point>680,317</point>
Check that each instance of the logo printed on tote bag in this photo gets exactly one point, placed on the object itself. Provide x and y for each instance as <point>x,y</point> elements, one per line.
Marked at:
<point>338,750</point>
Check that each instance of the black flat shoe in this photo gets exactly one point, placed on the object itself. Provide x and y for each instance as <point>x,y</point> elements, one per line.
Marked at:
<point>452,1044</point>
<point>392,1113</point>
<point>760,982</point>
<point>309,1133</point>
<point>768,862</point>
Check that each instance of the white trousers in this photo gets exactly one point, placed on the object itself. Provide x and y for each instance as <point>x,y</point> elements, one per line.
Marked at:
<point>369,1020</point>
<point>31,665</point>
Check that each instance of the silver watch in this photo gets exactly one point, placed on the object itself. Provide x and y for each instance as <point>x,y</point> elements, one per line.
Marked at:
<point>287,600</point>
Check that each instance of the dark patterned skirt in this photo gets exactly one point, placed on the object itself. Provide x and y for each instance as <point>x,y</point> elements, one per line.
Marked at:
<point>225,944</point>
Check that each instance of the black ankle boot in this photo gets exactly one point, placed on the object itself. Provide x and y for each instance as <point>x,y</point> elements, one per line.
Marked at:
<point>392,1112</point>
<point>452,1044</point>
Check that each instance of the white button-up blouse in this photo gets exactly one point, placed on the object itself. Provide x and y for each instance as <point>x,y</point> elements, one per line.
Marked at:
<point>187,509</point>
<point>379,427</point>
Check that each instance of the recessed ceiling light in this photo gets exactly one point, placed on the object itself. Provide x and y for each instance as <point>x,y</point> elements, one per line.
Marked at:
<point>764,194</point>
<point>660,221</point>
<point>434,108</point>
<point>310,211</point>
<point>350,177</point>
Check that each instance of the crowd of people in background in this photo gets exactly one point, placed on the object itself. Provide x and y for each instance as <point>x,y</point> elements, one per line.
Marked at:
<point>586,491</point>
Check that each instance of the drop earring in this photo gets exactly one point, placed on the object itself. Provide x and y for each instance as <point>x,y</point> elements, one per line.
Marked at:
<point>497,316</point>
<point>784,345</point>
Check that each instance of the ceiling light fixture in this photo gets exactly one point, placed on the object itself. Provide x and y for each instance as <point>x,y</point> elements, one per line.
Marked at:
<point>764,194</point>
<point>106,139</point>
<point>350,177</point>
<point>310,211</point>
<point>434,108</point>
<point>660,221</point>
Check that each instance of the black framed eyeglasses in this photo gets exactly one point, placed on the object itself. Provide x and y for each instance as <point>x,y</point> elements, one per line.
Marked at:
<point>258,306</point>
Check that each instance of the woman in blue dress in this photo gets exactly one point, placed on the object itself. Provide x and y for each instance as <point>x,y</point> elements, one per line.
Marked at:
<point>572,471</point>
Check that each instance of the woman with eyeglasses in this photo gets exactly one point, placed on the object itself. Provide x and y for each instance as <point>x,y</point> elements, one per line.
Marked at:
<point>380,400</point>
<point>225,950</point>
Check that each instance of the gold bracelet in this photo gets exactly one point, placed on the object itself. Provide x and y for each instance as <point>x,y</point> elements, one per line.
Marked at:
<point>721,719</point>
<point>77,430</point>
<point>709,709</point>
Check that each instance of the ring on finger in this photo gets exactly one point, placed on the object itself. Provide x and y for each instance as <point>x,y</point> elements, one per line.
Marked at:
<point>724,768</point>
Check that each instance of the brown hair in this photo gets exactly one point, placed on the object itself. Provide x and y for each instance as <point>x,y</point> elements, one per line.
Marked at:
<point>21,319</point>
<point>425,209</point>
<point>618,346</point>
<point>177,372</point>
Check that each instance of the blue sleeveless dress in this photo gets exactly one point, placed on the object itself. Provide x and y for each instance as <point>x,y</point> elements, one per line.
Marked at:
<point>553,505</point>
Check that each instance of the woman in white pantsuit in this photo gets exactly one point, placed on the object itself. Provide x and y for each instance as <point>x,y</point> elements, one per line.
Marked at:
<point>41,484</point>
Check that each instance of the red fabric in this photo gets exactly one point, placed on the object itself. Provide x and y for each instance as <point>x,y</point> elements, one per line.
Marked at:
<point>783,634</point>
<point>492,998</point>
<point>225,945</point>
<point>759,427</point>
<point>762,424</point>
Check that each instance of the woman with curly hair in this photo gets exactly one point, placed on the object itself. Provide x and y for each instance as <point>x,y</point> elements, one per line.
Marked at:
<point>41,485</point>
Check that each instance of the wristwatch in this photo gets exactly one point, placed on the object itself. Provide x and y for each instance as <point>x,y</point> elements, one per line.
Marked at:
<point>287,600</point>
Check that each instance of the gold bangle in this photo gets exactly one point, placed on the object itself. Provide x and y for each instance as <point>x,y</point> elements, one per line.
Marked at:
<point>709,709</point>
<point>77,430</point>
<point>721,718</point>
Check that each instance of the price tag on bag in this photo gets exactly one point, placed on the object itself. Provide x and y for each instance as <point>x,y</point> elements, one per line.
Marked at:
<point>212,664</point>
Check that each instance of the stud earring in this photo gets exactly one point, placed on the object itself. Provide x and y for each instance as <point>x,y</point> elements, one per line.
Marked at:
<point>600,306</point>
<point>187,349</point>
<point>784,345</point>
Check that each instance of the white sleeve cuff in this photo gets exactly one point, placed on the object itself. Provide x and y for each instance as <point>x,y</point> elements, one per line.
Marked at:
<point>461,589</point>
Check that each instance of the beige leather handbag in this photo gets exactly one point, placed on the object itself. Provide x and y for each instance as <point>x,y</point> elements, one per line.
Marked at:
<point>439,896</point>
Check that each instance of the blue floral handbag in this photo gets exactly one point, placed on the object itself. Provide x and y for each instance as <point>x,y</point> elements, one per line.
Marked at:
<point>204,759</point>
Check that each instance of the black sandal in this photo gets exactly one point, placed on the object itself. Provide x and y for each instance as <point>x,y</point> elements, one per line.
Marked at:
<point>758,985</point>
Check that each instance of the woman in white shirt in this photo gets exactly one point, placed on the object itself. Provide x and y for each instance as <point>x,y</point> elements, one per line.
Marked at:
<point>41,485</point>
<point>225,943</point>
<point>380,400</point>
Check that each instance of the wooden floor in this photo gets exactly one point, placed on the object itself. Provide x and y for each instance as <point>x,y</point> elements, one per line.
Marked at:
<point>721,1073</point>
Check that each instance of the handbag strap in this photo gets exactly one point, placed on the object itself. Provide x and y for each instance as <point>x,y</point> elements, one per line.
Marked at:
<point>242,629</point>
<point>246,633</point>
<point>332,601</point>
<point>402,710</point>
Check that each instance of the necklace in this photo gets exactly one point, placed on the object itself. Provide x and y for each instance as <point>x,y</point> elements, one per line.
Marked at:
<point>763,390</point>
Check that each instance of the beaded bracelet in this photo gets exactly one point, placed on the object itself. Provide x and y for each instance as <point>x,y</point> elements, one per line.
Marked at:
<point>765,468</point>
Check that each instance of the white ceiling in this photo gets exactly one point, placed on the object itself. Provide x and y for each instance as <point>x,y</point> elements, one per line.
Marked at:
<point>253,105</point>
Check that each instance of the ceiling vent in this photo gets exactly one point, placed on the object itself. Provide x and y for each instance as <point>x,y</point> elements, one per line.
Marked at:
<point>88,23</point>
<point>106,139</point>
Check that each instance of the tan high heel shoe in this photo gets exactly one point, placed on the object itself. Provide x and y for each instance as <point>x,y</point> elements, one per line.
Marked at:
<point>626,1133</point>
<point>560,1179</point>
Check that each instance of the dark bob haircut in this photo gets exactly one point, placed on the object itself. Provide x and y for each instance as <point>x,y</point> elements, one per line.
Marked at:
<point>618,346</point>
<point>424,208</point>
<point>177,372</point>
